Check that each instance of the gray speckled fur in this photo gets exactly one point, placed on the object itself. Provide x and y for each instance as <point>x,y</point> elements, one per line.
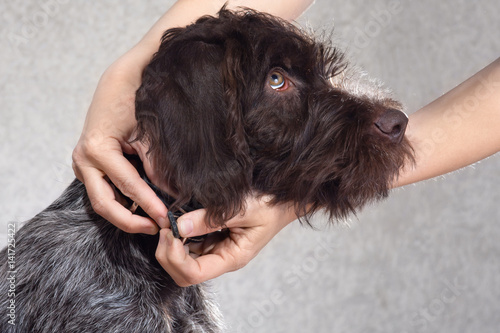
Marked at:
<point>76,272</point>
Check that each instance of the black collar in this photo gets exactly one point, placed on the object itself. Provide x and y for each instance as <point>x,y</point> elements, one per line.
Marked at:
<point>167,200</point>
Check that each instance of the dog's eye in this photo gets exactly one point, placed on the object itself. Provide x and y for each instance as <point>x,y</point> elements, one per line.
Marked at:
<point>277,81</point>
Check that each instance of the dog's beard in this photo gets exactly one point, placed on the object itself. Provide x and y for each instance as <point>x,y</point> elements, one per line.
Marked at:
<point>335,162</point>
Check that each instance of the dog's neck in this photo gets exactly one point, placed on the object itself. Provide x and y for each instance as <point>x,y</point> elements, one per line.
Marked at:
<point>167,199</point>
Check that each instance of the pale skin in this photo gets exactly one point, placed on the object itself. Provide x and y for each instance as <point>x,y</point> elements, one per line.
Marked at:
<point>457,129</point>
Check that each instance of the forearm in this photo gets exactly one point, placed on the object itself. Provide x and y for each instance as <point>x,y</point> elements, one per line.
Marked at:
<point>129,67</point>
<point>458,129</point>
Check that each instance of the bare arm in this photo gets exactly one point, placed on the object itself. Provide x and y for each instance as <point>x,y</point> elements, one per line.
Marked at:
<point>458,129</point>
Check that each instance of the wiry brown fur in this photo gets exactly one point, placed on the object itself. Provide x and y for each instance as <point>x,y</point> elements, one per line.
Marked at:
<point>217,131</point>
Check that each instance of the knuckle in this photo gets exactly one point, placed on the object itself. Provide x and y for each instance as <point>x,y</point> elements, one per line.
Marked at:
<point>192,279</point>
<point>77,172</point>
<point>97,206</point>
<point>76,156</point>
<point>127,187</point>
<point>91,146</point>
<point>161,256</point>
<point>240,261</point>
<point>183,283</point>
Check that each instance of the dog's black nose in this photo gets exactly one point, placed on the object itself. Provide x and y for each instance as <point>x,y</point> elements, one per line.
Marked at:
<point>392,124</point>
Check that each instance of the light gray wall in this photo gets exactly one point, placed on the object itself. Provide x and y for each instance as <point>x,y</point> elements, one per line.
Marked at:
<point>425,260</point>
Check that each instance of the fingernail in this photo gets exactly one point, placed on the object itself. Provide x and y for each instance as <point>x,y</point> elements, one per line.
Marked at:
<point>185,227</point>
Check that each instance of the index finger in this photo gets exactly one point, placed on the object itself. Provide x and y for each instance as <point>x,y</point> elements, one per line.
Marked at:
<point>127,179</point>
<point>102,198</point>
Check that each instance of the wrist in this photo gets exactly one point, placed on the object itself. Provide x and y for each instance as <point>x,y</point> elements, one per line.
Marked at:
<point>130,66</point>
<point>126,71</point>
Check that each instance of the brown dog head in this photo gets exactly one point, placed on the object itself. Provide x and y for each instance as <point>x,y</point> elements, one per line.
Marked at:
<point>247,103</point>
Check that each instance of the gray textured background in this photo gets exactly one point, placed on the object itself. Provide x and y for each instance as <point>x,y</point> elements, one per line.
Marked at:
<point>426,260</point>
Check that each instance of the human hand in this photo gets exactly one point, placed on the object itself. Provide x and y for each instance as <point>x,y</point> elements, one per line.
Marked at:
<point>98,159</point>
<point>248,233</point>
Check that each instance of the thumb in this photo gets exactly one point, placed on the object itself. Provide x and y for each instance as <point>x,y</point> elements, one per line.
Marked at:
<point>194,224</point>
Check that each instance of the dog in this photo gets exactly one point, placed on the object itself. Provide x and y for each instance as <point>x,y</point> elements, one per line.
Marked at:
<point>235,104</point>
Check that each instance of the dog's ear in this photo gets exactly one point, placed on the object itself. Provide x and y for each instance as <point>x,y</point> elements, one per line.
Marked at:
<point>234,87</point>
<point>188,111</point>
